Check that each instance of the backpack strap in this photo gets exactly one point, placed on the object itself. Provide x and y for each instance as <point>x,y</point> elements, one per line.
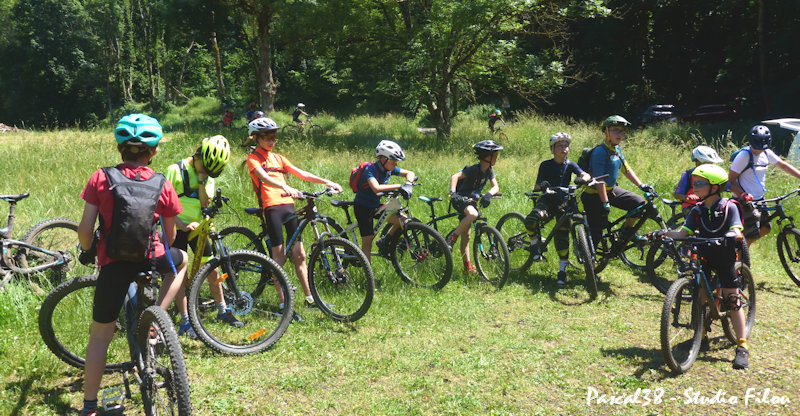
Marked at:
<point>187,190</point>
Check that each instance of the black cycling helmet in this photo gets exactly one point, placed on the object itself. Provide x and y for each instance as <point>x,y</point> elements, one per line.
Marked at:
<point>485,147</point>
<point>760,137</point>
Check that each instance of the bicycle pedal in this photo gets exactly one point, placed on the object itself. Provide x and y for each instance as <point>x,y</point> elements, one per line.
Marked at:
<point>112,399</point>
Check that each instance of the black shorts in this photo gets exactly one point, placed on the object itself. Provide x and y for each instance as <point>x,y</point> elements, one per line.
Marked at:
<point>182,243</point>
<point>753,220</point>
<point>278,217</point>
<point>114,279</point>
<point>460,203</point>
<point>721,261</point>
<point>364,218</point>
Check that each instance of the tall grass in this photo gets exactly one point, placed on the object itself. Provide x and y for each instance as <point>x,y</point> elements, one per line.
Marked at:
<point>528,349</point>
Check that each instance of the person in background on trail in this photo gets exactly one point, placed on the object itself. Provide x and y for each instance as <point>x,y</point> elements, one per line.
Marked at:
<point>251,115</point>
<point>299,111</point>
<point>193,178</point>
<point>494,117</point>
<point>701,155</point>
<point>747,179</point>
<point>137,137</point>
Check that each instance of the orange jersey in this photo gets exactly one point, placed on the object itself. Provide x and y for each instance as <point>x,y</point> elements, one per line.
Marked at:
<point>276,167</point>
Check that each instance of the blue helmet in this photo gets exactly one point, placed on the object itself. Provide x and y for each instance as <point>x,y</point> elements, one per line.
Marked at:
<point>138,128</point>
<point>760,137</point>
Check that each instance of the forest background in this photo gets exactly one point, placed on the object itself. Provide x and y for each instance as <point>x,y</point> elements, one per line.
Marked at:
<point>85,62</point>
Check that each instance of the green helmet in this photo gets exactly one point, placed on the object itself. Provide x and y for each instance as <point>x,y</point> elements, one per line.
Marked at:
<point>615,120</point>
<point>715,174</point>
<point>215,153</point>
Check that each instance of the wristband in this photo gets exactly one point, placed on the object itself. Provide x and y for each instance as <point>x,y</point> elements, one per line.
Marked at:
<point>202,182</point>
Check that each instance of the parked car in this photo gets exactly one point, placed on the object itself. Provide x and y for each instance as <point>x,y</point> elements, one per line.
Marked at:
<point>656,113</point>
<point>780,142</point>
<point>710,113</point>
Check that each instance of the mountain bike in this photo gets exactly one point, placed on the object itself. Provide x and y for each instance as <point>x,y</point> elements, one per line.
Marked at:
<point>340,276</point>
<point>629,244</point>
<point>522,253</point>
<point>788,239</point>
<point>24,258</point>
<point>489,248</point>
<point>151,352</point>
<point>254,287</point>
<point>498,130</point>
<point>694,303</point>
<point>307,129</point>
<point>419,254</point>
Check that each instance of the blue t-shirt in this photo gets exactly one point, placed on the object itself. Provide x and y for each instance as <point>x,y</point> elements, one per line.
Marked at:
<point>606,161</point>
<point>365,196</point>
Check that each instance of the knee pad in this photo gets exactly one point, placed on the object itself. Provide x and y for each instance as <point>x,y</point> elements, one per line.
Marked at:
<point>734,302</point>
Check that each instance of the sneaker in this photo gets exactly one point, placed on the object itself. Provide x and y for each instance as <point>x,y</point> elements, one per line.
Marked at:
<point>561,281</point>
<point>381,243</point>
<point>229,319</point>
<point>469,267</point>
<point>705,345</point>
<point>312,305</point>
<point>451,241</point>
<point>186,329</point>
<point>742,359</point>
<point>296,317</point>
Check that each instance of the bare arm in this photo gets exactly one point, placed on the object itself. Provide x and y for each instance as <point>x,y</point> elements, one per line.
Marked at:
<point>86,226</point>
<point>786,167</point>
<point>455,178</point>
<point>169,228</point>
<point>495,187</point>
<point>734,183</point>
<point>310,177</point>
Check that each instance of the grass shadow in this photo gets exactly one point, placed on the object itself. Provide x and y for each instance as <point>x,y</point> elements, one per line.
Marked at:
<point>783,290</point>
<point>51,396</point>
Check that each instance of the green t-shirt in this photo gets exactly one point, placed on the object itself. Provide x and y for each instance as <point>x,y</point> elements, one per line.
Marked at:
<point>191,205</point>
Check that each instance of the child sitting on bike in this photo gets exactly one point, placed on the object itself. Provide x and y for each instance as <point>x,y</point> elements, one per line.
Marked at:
<point>554,172</point>
<point>466,186</point>
<point>137,137</point>
<point>373,180</point>
<point>193,177</point>
<point>683,191</point>
<point>747,178</point>
<point>494,117</point>
<point>713,217</point>
<point>299,111</point>
<point>268,173</point>
<point>606,159</point>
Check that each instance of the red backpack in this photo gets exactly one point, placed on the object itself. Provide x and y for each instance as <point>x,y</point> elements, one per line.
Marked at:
<point>355,176</point>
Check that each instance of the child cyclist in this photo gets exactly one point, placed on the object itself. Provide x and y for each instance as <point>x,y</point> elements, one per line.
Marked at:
<point>715,216</point>
<point>747,179</point>
<point>683,191</point>
<point>554,172</point>
<point>373,180</point>
<point>193,178</point>
<point>299,111</point>
<point>137,137</point>
<point>466,186</point>
<point>494,117</point>
<point>268,173</point>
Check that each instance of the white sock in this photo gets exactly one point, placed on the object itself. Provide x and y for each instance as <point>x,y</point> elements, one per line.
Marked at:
<point>185,319</point>
<point>310,299</point>
<point>221,307</point>
<point>562,265</point>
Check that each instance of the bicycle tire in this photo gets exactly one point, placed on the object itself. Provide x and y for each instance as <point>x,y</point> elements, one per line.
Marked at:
<point>490,254</point>
<point>315,131</point>
<point>256,304</point>
<point>164,379</point>
<point>512,228</point>
<point>660,265</point>
<point>635,253</point>
<point>57,234</point>
<point>788,242</point>
<point>64,321</point>
<point>681,326</point>
<point>601,256</point>
<point>747,287</point>
<point>341,279</point>
<point>421,256</point>
<point>290,131</point>
<point>502,136</point>
<point>237,237</point>
<point>584,256</point>
<point>676,221</point>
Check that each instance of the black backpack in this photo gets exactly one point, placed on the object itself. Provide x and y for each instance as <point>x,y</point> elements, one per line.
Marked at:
<point>586,156</point>
<point>132,225</point>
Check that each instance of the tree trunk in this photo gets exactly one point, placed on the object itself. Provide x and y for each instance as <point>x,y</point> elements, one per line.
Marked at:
<point>217,63</point>
<point>439,106</point>
<point>266,83</point>
<point>762,56</point>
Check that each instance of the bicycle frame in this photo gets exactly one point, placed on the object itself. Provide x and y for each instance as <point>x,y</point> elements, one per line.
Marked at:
<point>391,207</point>
<point>612,235</point>
<point>779,212</point>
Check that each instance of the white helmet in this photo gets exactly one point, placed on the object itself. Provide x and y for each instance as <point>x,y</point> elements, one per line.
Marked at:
<point>560,137</point>
<point>705,154</point>
<point>301,105</point>
<point>390,149</point>
<point>262,124</point>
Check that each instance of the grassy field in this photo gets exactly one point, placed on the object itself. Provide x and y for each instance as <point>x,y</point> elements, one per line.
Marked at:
<point>466,350</point>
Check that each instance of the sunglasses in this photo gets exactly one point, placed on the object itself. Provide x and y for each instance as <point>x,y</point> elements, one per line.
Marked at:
<point>699,184</point>
<point>267,135</point>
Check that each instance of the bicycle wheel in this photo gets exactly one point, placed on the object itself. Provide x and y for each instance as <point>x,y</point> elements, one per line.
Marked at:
<point>64,321</point>
<point>421,256</point>
<point>584,256</point>
<point>747,290</point>
<point>237,237</point>
<point>58,234</point>
<point>250,284</point>
<point>660,265</point>
<point>490,254</point>
<point>290,131</point>
<point>340,278</point>
<point>635,253</point>
<point>676,221</point>
<point>789,252</point>
<point>314,131</point>
<point>515,234</point>
<point>502,136</point>
<point>164,380</point>
<point>681,326</point>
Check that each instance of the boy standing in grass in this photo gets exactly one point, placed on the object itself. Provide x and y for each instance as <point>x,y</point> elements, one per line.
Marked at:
<point>466,186</point>
<point>701,155</point>
<point>194,178</point>
<point>137,137</point>
<point>554,172</point>
<point>716,217</point>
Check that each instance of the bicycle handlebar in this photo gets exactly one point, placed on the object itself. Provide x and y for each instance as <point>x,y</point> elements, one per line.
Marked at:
<point>314,195</point>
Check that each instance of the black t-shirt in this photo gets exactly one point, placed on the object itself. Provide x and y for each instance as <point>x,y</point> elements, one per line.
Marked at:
<point>296,114</point>
<point>713,222</point>
<point>474,181</point>
<point>557,174</point>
